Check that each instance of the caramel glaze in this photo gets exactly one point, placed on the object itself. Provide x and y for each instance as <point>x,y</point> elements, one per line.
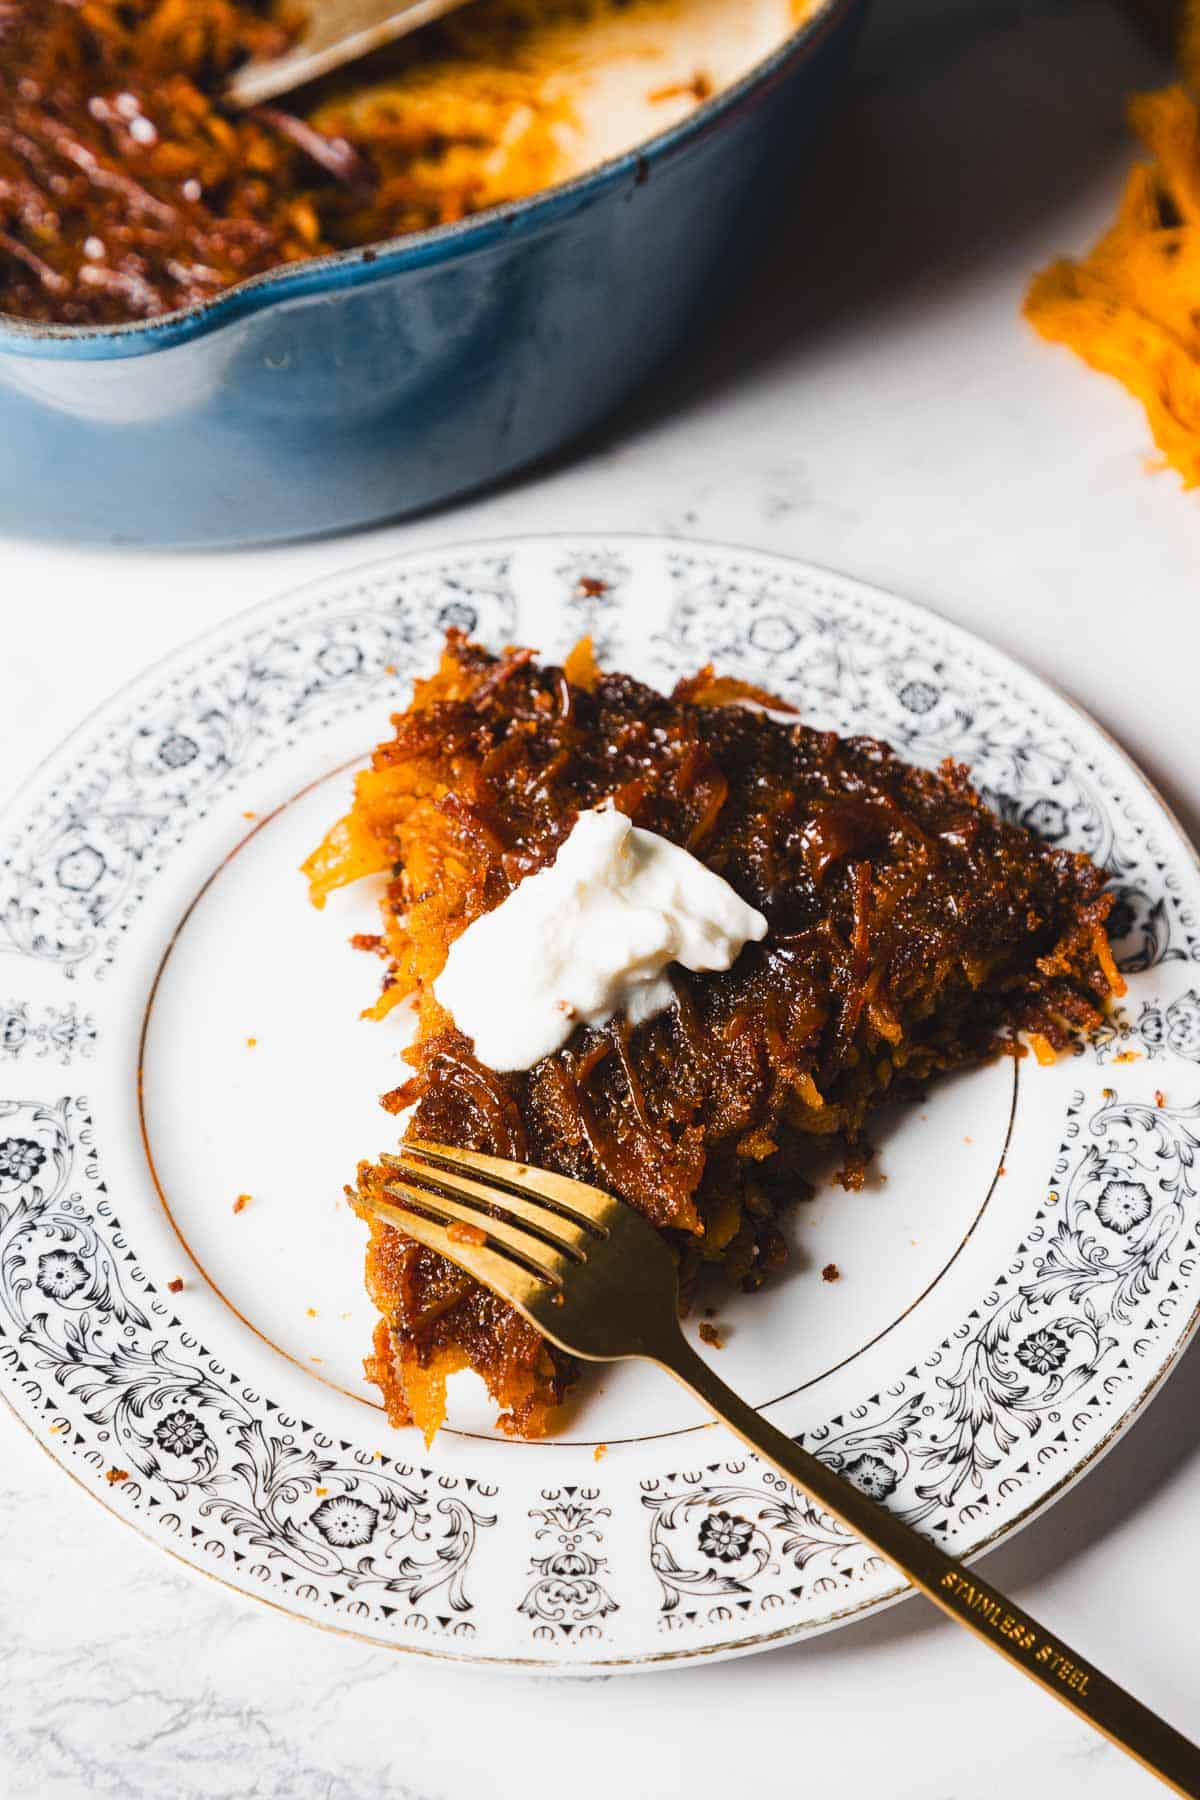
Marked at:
<point>911,931</point>
<point>128,191</point>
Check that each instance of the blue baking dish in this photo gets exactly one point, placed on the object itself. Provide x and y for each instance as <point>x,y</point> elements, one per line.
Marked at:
<point>372,384</point>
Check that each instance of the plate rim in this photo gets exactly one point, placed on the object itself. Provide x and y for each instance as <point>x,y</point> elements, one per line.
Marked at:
<point>241,623</point>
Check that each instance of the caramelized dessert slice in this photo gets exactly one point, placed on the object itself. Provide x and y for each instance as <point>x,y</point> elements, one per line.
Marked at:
<point>909,931</point>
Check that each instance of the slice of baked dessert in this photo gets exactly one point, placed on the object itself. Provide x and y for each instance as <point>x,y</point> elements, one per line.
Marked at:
<point>902,929</point>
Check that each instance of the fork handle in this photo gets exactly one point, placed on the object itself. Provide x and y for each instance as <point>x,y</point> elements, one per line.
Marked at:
<point>966,1596</point>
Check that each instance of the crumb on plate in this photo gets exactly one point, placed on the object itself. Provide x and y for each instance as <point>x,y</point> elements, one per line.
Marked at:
<point>831,1272</point>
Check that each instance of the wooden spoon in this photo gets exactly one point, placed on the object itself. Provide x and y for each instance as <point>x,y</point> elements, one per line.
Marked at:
<point>336,32</point>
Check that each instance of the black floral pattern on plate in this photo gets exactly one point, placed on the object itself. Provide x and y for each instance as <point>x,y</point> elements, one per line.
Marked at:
<point>60,1273</point>
<point>1123,1204</point>
<point>1183,1025</point>
<point>345,1522</point>
<point>180,1433</point>
<point>725,1537</point>
<point>177,750</point>
<point>21,1159</point>
<point>872,1476</point>
<point>1042,1352</point>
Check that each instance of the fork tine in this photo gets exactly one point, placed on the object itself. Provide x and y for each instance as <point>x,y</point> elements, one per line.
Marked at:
<point>496,1269</point>
<point>529,1247</point>
<point>568,1234</point>
<point>588,1206</point>
<point>612,1293</point>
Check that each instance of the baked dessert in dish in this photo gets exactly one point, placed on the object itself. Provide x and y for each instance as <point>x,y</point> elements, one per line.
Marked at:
<point>128,190</point>
<point>906,930</point>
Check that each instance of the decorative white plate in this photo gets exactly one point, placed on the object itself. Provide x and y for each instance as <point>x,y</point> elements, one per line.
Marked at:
<point>1008,1300</point>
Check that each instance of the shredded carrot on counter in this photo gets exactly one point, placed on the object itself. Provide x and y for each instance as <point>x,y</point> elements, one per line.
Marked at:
<point>1131,306</point>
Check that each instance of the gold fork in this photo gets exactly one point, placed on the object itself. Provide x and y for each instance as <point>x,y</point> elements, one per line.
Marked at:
<point>594,1277</point>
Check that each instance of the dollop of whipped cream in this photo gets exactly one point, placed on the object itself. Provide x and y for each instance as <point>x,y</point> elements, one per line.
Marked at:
<point>588,937</point>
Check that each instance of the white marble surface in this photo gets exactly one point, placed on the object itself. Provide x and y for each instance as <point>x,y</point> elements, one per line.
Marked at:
<point>874,403</point>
